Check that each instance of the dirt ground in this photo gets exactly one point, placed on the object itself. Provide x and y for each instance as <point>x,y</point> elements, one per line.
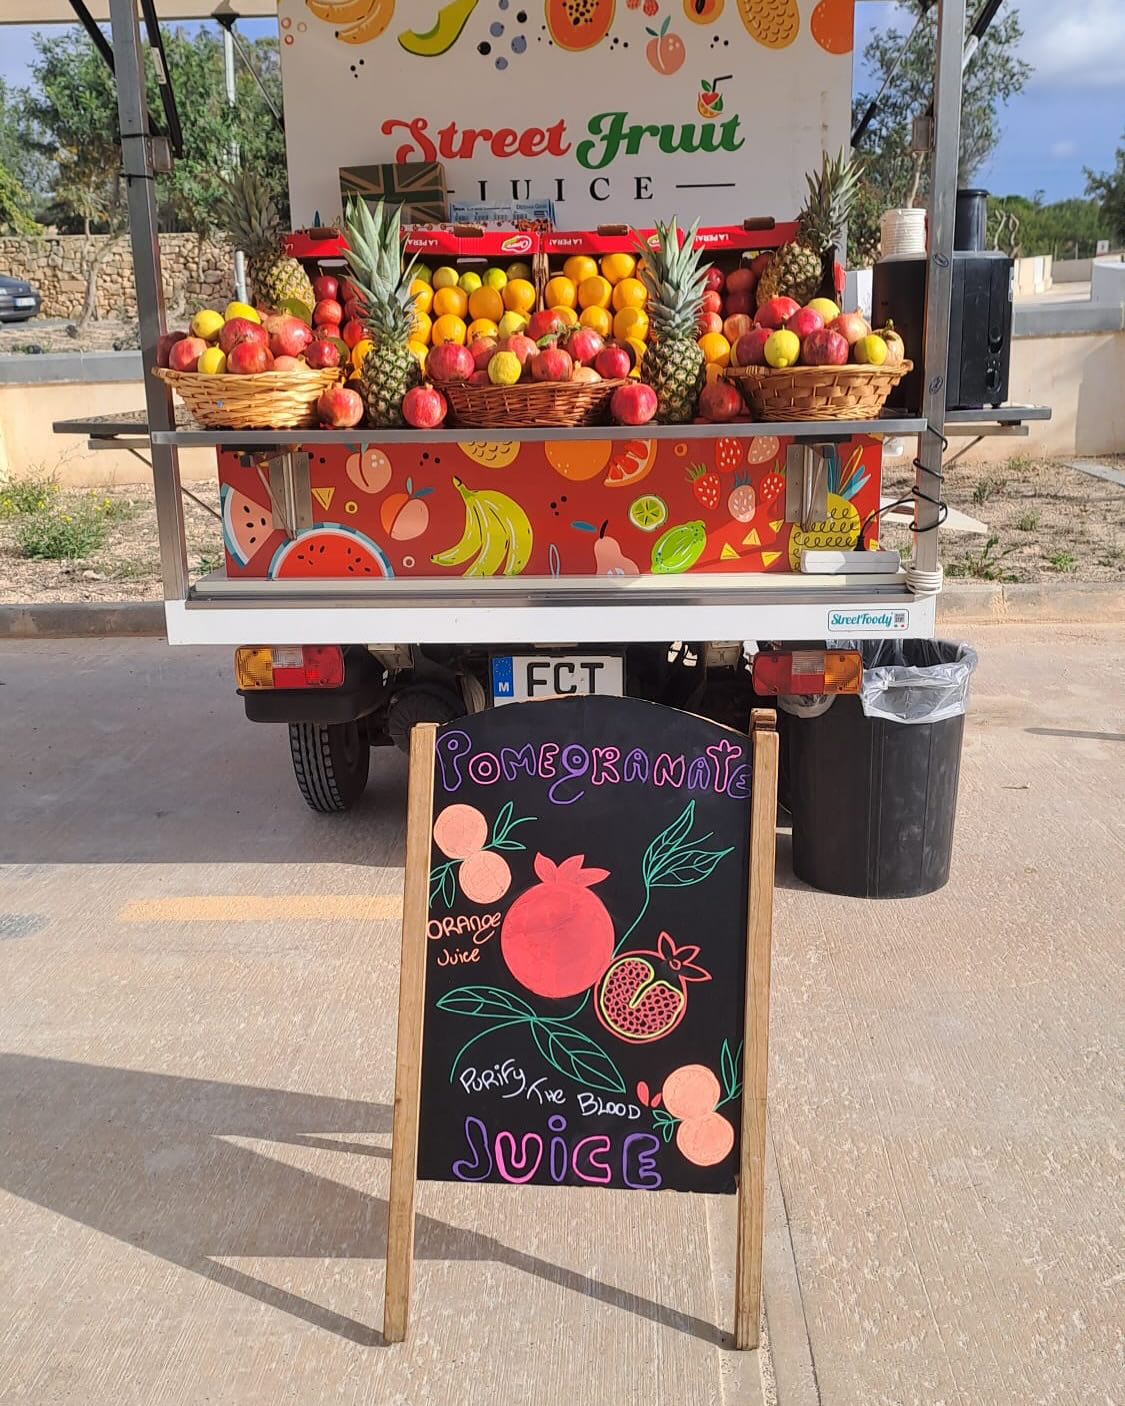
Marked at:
<point>1049,522</point>
<point>57,335</point>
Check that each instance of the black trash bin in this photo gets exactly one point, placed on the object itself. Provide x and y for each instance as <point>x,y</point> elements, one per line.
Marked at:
<point>873,779</point>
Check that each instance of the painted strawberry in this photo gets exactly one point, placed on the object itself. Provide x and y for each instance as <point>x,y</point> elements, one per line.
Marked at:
<point>705,485</point>
<point>728,455</point>
<point>643,995</point>
<point>773,486</point>
<point>742,502</point>
<point>557,938</point>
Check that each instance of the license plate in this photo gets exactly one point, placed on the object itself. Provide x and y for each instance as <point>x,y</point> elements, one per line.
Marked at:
<point>518,678</point>
<point>24,302</point>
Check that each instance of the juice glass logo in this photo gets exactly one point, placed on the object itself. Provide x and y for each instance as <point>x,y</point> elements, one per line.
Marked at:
<point>842,621</point>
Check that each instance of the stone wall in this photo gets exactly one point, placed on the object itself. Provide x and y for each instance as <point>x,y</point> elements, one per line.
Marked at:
<point>194,276</point>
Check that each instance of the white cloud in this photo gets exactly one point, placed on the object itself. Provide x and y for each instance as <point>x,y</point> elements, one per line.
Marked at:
<point>1075,44</point>
<point>1061,150</point>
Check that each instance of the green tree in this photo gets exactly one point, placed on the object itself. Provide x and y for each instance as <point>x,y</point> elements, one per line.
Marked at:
<point>893,175</point>
<point>1108,188</point>
<point>1065,229</point>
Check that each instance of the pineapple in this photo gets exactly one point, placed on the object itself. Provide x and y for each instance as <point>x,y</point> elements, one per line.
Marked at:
<point>796,269</point>
<point>375,256</point>
<point>673,363</point>
<point>250,215</point>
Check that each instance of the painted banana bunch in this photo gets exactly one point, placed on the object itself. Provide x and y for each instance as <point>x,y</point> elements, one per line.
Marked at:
<point>773,23</point>
<point>497,536</point>
<point>356,21</point>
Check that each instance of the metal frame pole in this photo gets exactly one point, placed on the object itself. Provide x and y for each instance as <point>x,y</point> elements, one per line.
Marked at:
<point>924,573</point>
<point>137,154</point>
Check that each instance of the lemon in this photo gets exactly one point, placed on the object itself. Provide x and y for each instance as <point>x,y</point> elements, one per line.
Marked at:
<point>212,362</point>
<point>520,271</point>
<point>504,369</point>
<point>470,282</point>
<point>870,350</point>
<point>648,512</point>
<point>241,310</point>
<point>495,278</point>
<point>207,324</point>
<point>511,323</point>
<point>782,349</point>
<point>423,274</point>
<point>445,277</point>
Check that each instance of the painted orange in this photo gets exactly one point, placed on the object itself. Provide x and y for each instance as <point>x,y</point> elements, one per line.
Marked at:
<point>833,25</point>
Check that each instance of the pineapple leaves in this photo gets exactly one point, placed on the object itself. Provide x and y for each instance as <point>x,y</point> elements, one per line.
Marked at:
<point>577,1056</point>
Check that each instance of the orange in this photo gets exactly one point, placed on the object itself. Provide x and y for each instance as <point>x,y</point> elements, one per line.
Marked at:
<point>579,267</point>
<point>615,267</point>
<point>595,293</point>
<point>482,327</point>
<point>598,319</point>
<point>703,1140</point>
<point>639,349</point>
<point>423,326</point>
<point>519,295</point>
<point>487,303</point>
<point>629,293</point>
<point>449,329</point>
<point>578,460</point>
<point>360,350</point>
<point>568,315</point>
<point>631,322</point>
<point>632,462</point>
<point>561,293</point>
<point>715,348</point>
<point>451,302</point>
<point>691,1091</point>
<point>423,295</point>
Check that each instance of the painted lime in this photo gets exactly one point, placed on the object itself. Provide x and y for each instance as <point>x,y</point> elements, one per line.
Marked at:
<point>679,549</point>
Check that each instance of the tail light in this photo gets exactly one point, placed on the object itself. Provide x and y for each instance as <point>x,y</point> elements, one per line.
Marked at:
<point>805,671</point>
<point>289,666</point>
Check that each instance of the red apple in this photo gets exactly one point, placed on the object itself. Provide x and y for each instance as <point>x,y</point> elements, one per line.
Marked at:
<point>825,348</point>
<point>777,312</point>
<point>325,287</point>
<point>288,363</point>
<point>742,280</point>
<point>424,408</point>
<point>449,362</point>
<point>720,401</point>
<point>584,344</point>
<point>249,359</point>
<point>740,305</point>
<point>712,303</point>
<point>340,408</point>
<point>634,404</point>
<point>551,364</point>
<point>805,321</point>
<point>545,324</point>
<point>352,333</point>
<point>521,347</point>
<point>323,356</point>
<point>289,336</point>
<point>709,322</point>
<point>750,350</point>
<point>737,326</point>
<point>614,362</point>
<point>850,325</point>
<point>482,350</point>
<point>716,280</point>
<point>328,313</point>
<point>184,354</point>
<point>241,329</point>
<point>164,345</point>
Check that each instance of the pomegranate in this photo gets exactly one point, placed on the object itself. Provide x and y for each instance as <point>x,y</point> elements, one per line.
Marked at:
<point>824,348</point>
<point>325,287</point>
<point>614,362</point>
<point>352,333</point>
<point>322,356</point>
<point>585,376</point>
<point>288,363</point>
<point>634,404</point>
<point>184,355</point>
<point>482,349</point>
<point>709,322</point>
<point>712,302</point>
<point>424,408</point>
<point>805,321</point>
<point>777,312</point>
<point>480,377</point>
<point>557,937</point>
<point>584,344</point>
<point>521,347</point>
<point>742,280</point>
<point>715,280</point>
<point>545,324</point>
<point>241,329</point>
<point>720,401</point>
<point>249,359</point>
<point>750,350</point>
<point>896,347</point>
<point>643,995</point>
<point>551,364</point>
<point>450,362</point>
<point>289,336</point>
<point>340,408</point>
<point>355,310</point>
<point>739,303</point>
<point>850,325</point>
<point>328,313</point>
<point>165,344</point>
<point>760,263</point>
<point>737,326</point>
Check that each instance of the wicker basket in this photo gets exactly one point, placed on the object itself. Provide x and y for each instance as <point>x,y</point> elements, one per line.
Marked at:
<point>555,404</point>
<point>275,400</point>
<point>817,392</point>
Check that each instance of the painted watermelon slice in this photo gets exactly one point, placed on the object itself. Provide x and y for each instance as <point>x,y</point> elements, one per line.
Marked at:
<point>247,526</point>
<point>330,550</point>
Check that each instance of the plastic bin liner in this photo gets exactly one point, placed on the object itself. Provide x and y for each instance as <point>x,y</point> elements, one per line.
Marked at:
<point>915,681</point>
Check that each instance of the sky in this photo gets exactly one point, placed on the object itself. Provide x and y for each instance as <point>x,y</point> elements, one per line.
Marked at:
<point>1070,115</point>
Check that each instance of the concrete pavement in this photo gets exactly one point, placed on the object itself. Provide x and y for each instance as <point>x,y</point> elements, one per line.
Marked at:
<point>194,1114</point>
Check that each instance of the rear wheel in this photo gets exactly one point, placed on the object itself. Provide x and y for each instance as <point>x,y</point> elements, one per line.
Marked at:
<point>330,762</point>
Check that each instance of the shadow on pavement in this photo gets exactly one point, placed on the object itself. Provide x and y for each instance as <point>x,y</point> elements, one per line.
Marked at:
<point>145,1158</point>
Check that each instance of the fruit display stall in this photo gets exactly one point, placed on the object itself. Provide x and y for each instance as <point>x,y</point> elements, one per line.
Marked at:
<point>438,441</point>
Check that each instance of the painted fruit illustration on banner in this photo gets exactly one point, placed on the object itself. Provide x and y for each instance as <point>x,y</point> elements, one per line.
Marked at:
<point>563,508</point>
<point>356,21</point>
<point>557,938</point>
<point>643,995</point>
<point>577,25</point>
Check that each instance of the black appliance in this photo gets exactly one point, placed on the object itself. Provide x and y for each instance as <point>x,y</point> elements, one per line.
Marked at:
<point>980,327</point>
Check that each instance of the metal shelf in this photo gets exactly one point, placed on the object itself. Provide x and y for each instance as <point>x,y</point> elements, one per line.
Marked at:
<point>998,415</point>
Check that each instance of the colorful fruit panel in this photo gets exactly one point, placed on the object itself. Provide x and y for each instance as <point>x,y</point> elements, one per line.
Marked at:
<point>560,508</point>
<point>586,953</point>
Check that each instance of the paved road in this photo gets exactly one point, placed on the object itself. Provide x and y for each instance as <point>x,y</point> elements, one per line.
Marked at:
<point>194,1114</point>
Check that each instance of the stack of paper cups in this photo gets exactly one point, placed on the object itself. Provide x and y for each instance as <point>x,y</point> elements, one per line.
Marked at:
<point>902,234</point>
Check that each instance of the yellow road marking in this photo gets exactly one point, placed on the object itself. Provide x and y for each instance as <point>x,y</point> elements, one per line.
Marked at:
<point>257,908</point>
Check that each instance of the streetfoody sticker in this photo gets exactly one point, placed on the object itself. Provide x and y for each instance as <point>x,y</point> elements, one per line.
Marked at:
<point>843,622</point>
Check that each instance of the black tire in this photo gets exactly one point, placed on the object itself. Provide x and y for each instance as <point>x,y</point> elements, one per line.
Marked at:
<point>330,762</point>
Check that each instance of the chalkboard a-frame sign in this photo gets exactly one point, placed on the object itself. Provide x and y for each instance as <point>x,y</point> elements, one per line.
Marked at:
<point>584,984</point>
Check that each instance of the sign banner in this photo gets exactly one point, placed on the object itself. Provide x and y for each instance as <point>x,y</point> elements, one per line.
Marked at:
<point>613,111</point>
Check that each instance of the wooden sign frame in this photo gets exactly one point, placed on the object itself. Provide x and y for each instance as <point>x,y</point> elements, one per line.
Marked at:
<point>411,1015</point>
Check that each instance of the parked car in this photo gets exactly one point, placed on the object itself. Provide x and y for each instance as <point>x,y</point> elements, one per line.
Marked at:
<point>18,300</point>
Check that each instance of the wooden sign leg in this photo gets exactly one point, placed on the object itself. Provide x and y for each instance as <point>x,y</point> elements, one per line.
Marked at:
<point>759,932</point>
<point>408,1059</point>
